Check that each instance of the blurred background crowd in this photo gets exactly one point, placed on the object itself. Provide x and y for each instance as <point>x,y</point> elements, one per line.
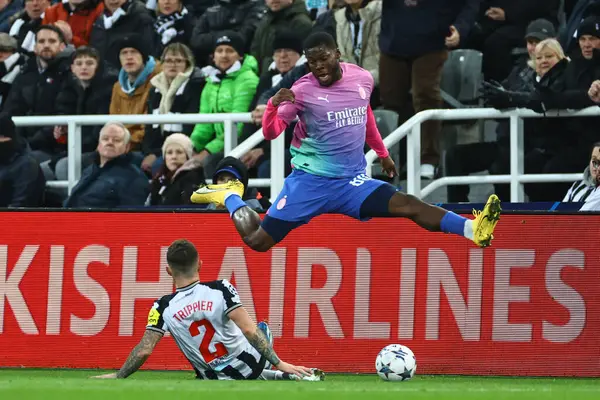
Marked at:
<point>85,57</point>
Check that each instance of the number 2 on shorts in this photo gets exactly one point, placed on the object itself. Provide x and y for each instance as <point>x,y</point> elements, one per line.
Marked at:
<point>209,333</point>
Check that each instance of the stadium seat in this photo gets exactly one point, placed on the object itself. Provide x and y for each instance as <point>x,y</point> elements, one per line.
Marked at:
<point>461,78</point>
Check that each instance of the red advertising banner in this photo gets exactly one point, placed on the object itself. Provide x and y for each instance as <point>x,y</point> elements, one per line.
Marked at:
<point>75,290</point>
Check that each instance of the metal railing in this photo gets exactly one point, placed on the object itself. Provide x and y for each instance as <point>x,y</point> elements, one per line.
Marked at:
<point>412,130</point>
<point>75,122</point>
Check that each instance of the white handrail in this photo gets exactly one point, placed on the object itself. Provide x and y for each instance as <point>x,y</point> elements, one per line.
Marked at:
<point>412,130</point>
<point>75,122</point>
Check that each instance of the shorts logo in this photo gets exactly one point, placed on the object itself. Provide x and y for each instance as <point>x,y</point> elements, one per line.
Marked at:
<point>360,179</point>
<point>362,92</point>
<point>281,203</point>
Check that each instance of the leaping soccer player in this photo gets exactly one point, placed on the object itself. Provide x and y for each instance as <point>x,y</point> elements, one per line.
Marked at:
<point>335,119</point>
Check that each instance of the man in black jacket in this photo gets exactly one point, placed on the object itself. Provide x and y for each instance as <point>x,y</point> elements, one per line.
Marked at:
<point>35,90</point>
<point>415,36</point>
<point>112,180</point>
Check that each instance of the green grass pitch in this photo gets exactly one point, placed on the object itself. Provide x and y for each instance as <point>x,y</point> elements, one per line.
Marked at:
<point>24,384</point>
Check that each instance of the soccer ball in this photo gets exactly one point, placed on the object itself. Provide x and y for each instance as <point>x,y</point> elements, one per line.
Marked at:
<point>396,363</point>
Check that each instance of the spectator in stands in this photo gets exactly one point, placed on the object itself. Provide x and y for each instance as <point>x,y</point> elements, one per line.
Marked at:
<point>500,29</point>
<point>168,189</point>
<point>242,16</point>
<point>35,90</point>
<point>79,14</point>
<point>21,179</point>
<point>231,168</point>
<point>576,13</point>
<point>356,28</point>
<point>414,39</point>
<point>495,156</point>
<point>288,14</point>
<point>8,8</point>
<point>121,18</point>
<point>26,24</point>
<point>176,90</point>
<point>174,24</point>
<point>87,91</point>
<point>588,188</point>
<point>230,86</point>
<point>112,180</point>
<point>287,55</point>
<point>10,65</point>
<point>130,93</point>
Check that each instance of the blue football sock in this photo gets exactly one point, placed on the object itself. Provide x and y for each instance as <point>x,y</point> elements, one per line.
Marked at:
<point>453,223</point>
<point>234,202</point>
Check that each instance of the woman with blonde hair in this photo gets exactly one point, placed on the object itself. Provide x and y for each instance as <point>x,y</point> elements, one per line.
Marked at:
<point>176,90</point>
<point>169,188</point>
<point>548,53</point>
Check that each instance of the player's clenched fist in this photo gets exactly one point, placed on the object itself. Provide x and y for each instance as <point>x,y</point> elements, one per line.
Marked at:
<point>283,95</point>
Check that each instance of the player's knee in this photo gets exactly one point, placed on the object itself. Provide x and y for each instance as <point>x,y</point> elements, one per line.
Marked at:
<point>258,243</point>
<point>402,205</point>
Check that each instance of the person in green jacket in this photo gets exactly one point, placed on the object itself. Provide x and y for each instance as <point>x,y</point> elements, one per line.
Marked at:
<point>231,84</point>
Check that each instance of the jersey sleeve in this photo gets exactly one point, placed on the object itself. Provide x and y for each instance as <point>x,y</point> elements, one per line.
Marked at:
<point>156,321</point>
<point>230,294</point>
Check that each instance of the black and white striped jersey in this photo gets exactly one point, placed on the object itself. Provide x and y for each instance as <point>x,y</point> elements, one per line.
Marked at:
<point>196,316</point>
<point>580,192</point>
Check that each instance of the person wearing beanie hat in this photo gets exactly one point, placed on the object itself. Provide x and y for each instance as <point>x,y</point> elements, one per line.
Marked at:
<point>230,168</point>
<point>171,186</point>
<point>230,86</point>
<point>588,36</point>
<point>181,140</point>
<point>130,93</point>
<point>281,14</point>
<point>22,182</point>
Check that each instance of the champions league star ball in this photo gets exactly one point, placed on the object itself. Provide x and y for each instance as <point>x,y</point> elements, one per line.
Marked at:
<point>396,363</point>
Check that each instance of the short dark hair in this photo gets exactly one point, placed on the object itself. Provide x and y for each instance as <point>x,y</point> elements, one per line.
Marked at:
<point>86,51</point>
<point>320,39</point>
<point>61,35</point>
<point>182,257</point>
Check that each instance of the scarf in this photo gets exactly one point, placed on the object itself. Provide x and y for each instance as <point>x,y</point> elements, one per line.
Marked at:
<point>165,25</point>
<point>169,92</point>
<point>110,20</point>
<point>127,87</point>
<point>215,75</point>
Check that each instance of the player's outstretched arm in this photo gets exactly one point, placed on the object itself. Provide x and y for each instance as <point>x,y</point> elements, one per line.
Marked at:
<point>257,338</point>
<point>138,355</point>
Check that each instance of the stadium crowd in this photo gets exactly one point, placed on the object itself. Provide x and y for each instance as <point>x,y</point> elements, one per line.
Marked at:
<point>82,57</point>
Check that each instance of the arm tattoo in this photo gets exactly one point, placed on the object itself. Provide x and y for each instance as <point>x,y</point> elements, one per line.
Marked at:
<point>260,343</point>
<point>139,354</point>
